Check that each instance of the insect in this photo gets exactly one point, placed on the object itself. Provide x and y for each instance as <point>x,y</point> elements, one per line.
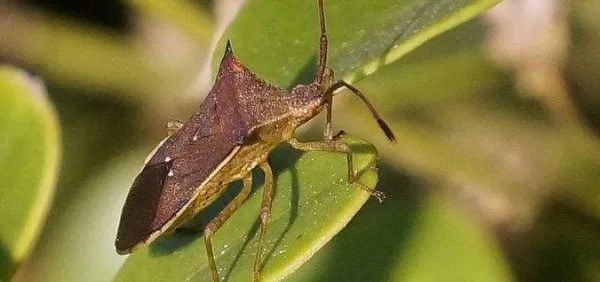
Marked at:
<point>241,120</point>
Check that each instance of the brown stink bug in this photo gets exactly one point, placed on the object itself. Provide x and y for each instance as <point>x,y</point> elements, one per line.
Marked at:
<point>238,124</point>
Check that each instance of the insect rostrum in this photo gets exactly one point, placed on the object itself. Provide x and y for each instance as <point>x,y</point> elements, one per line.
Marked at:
<point>242,119</point>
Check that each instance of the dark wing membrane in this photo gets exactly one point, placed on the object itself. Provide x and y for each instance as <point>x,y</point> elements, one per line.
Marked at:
<point>172,176</point>
<point>140,206</point>
<point>244,101</point>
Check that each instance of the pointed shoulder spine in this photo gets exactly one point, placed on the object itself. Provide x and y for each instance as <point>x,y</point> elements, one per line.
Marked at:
<point>227,57</point>
<point>228,48</point>
<point>228,54</point>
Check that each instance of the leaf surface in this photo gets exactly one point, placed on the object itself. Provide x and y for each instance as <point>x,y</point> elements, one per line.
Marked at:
<point>279,39</point>
<point>29,160</point>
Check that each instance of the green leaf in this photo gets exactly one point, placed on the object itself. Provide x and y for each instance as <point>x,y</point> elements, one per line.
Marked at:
<point>449,244</point>
<point>278,39</point>
<point>313,202</point>
<point>29,159</point>
<point>268,38</point>
<point>409,237</point>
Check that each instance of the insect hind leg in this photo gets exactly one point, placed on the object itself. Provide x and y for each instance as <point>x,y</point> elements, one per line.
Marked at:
<point>218,221</point>
<point>338,146</point>
<point>265,214</point>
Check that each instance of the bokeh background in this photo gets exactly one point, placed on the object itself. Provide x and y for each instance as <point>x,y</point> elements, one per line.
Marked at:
<point>495,176</point>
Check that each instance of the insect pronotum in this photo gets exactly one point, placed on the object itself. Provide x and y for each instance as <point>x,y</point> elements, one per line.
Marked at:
<point>242,119</point>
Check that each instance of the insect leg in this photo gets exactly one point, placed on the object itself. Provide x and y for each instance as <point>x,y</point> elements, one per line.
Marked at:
<point>337,146</point>
<point>173,125</point>
<point>329,105</point>
<point>265,214</point>
<point>323,72</point>
<point>328,132</point>
<point>218,221</point>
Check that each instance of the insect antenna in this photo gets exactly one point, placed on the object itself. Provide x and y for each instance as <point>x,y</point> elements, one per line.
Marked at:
<point>322,62</point>
<point>384,127</point>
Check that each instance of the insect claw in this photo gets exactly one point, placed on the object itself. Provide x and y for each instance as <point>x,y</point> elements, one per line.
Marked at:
<point>379,195</point>
<point>340,134</point>
<point>173,126</point>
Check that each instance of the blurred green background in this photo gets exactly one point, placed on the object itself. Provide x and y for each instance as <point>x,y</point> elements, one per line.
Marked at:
<point>495,175</point>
